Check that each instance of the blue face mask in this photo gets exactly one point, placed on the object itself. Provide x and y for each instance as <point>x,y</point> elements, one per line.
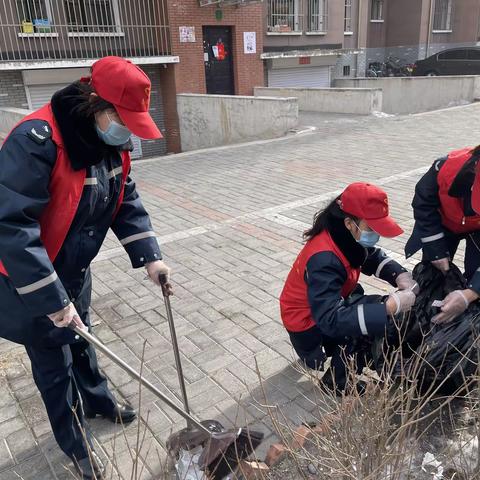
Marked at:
<point>368,239</point>
<point>115,134</point>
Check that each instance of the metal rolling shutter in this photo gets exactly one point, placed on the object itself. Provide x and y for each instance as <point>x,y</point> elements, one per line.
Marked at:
<point>39,95</point>
<point>299,77</point>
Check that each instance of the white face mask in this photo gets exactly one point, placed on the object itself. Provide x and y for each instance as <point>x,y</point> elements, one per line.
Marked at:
<point>115,134</point>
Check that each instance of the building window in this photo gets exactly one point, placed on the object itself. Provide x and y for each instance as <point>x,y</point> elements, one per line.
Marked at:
<point>377,11</point>
<point>92,16</point>
<point>347,23</point>
<point>442,16</point>
<point>34,15</point>
<point>284,16</point>
<point>317,15</point>
<point>346,70</point>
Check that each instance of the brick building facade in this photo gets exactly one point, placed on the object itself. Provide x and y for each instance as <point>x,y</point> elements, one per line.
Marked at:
<point>188,76</point>
<point>37,61</point>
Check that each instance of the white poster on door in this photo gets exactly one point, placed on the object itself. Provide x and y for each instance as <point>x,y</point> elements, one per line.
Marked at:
<point>250,42</point>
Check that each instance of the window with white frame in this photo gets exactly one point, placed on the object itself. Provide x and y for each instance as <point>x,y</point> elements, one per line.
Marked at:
<point>34,15</point>
<point>347,23</point>
<point>92,16</point>
<point>376,14</point>
<point>284,16</point>
<point>442,15</point>
<point>317,15</point>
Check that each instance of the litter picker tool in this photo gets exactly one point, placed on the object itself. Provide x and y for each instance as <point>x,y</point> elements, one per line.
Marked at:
<point>245,442</point>
<point>166,290</point>
<point>221,448</point>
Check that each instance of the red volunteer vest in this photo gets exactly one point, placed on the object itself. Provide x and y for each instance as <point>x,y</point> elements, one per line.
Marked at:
<point>294,306</point>
<point>451,208</point>
<point>66,187</point>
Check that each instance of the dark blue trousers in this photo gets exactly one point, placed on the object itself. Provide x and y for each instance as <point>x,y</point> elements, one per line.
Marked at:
<point>66,372</point>
<point>313,348</point>
<point>67,376</point>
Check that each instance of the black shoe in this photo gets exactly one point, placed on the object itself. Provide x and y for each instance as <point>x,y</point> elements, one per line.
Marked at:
<point>90,468</point>
<point>122,413</point>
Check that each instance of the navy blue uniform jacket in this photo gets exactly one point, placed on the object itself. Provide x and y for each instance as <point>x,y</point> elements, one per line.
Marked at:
<point>36,287</point>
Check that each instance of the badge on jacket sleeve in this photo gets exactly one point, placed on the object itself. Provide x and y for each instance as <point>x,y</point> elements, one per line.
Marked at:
<point>40,134</point>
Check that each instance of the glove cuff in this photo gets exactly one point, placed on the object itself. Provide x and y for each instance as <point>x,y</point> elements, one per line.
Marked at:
<point>397,302</point>
<point>459,292</point>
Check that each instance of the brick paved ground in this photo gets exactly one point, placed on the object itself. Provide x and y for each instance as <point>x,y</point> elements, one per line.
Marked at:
<point>230,222</point>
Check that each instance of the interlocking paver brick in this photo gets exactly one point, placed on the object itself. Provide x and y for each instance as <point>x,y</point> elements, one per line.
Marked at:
<point>230,224</point>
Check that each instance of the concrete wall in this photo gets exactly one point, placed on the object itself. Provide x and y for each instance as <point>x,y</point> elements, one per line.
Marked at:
<point>9,117</point>
<point>419,94</point>
<point>358,101</point>
<point>213,120</point>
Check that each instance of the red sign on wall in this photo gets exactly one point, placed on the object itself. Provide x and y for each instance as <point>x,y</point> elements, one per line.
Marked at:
<point>304,61</point>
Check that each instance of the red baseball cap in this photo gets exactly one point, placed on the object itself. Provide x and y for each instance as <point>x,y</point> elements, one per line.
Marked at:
<point>370,203</point>
<point>127,88</point>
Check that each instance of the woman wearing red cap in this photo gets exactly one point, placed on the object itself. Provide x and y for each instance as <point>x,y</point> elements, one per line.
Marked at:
<point>323,307</point>
<point>64,182</point>
<point>446,208</point>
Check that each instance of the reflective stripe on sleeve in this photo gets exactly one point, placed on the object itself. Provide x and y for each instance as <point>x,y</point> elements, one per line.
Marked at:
<point>361,320</point>
<point>382,264</point>
<point>115,172</point>
<point>432,238</point>
<point>33,287</point>
<point>138,236</point>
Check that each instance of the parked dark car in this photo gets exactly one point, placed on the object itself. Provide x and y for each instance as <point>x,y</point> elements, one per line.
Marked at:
<point>456,61</point>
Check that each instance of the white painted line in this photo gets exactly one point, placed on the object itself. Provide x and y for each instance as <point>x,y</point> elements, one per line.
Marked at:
<point>271,213</point>
<point>286,221</point>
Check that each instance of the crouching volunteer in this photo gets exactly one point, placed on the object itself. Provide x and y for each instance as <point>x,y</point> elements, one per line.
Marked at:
<point>323,307</point>
<point>446,208</point>
<point>64,181</point>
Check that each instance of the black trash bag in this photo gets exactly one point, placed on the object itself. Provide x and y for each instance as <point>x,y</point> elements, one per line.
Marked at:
<point>448,351</point>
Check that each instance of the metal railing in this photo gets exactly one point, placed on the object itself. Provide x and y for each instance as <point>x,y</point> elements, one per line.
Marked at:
<point>285,16</point>
<point>348,20</point>
<point>317,15</point>
<point>288,16</point>
<point>443,15</point>
<point>34,30</point>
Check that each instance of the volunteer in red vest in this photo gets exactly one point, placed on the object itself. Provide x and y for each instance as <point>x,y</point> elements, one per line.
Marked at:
<point>323,307</point>
<point>446,208</point>
<point>64,181</point>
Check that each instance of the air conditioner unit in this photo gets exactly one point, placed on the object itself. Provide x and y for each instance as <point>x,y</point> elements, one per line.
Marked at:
<point>206,3</point>
<point>240,2</point>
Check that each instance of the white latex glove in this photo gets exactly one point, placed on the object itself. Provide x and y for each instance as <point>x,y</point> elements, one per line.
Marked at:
<point>400,301</point>
<point>442,264</point>
<point>157,268</point>
<point>454,304</point>
<point>66,316</point>
<point>406,282</point>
